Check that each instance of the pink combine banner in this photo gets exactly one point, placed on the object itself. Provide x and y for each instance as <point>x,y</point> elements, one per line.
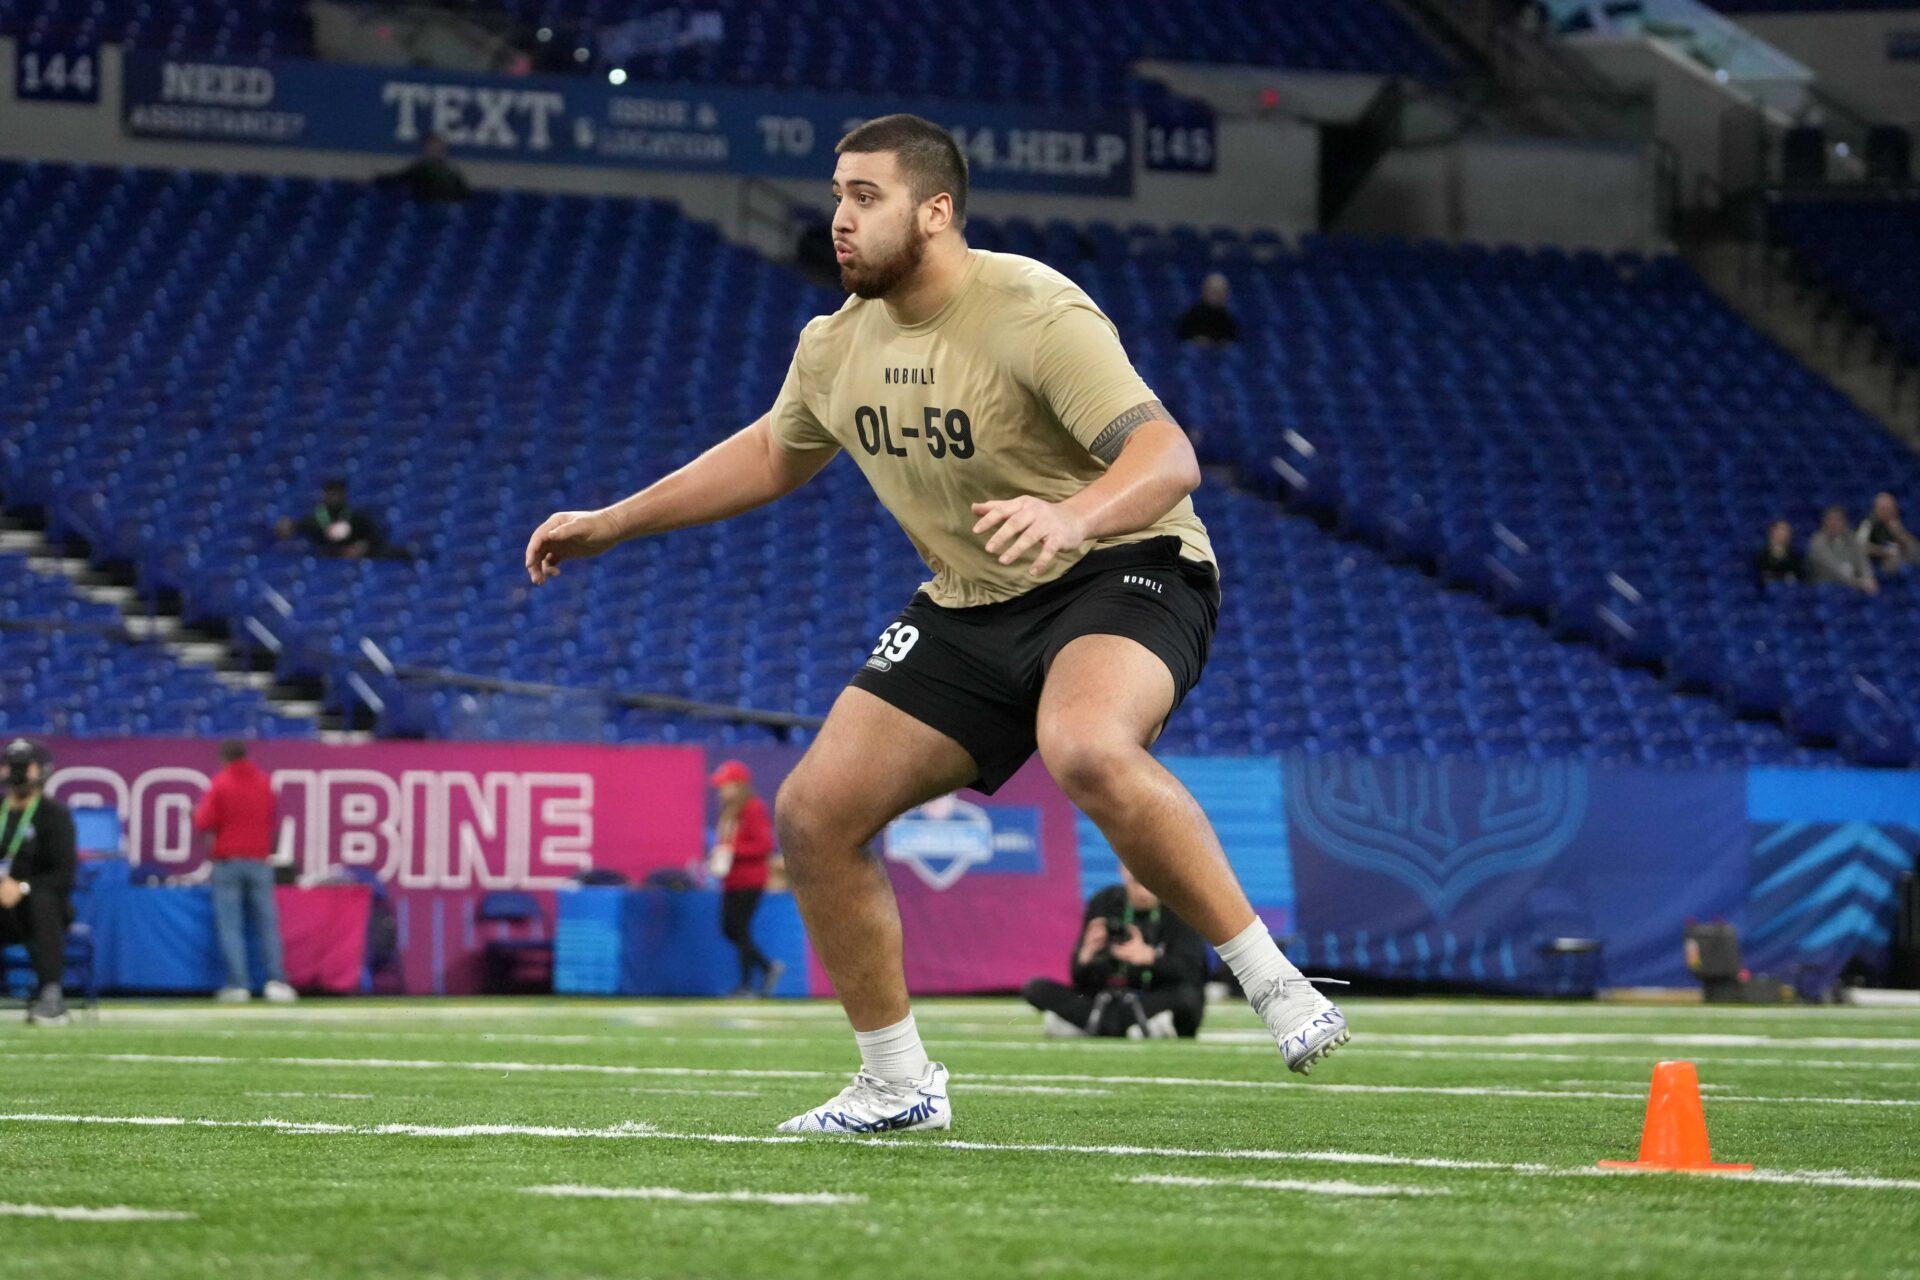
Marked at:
<point>418,815</point>
<point>988,887</point>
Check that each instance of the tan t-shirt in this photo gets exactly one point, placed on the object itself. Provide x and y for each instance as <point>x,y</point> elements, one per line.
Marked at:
<point>1006,391</point>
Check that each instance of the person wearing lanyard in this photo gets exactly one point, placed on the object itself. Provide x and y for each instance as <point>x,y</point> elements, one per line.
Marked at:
<point>336,527</point>
<point>1139,971</point>
<point>37,864</point>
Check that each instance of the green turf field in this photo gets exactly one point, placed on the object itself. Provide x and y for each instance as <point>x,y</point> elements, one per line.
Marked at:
<point>1451,1138</point>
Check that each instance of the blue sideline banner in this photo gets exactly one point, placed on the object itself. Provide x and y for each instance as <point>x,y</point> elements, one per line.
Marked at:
<point>587,121</point>
<point>1830,848</point>
<point>1464,872</point>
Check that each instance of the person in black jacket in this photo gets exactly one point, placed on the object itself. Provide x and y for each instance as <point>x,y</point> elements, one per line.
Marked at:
<point>1139,970</point>
<point>1778,561</point>
<point>335,526</point>
<point>1208,322</point>
<point>433,177</point>
<point>37,865</point>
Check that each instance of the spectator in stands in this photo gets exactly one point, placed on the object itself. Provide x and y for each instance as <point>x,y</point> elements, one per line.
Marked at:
<point>432,176</point>
<point>38,862</point>
<point>1208,322</point>
<point>238,809</point>
<point>335,526</point>
<point>1139,971</point>
<point>741,852</point>
<point>1778,561</point>
<point>1835,555</point>
<point>1889,545</point>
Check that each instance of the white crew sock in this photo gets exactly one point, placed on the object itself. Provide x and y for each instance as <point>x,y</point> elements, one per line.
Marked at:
<point>1254,958</point>
<point>894,1053</point>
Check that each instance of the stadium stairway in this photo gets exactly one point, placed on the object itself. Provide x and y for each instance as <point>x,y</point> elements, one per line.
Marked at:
<point>1761,285</point>
<point>60,614</point>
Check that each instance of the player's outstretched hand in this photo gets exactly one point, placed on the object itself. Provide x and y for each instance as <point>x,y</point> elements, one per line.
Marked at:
<point>1025,523</point>
<point>567,535</point>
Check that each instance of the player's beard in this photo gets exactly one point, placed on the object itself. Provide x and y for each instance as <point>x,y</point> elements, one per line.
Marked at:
<point>876,277</point>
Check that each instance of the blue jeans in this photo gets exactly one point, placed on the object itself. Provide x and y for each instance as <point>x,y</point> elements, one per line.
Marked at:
<point>243,887</point>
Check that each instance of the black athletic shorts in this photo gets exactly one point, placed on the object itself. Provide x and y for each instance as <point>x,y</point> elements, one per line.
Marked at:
<point>975,674</point>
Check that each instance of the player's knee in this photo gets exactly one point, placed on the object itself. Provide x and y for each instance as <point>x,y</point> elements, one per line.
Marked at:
<point>808,824</point>
<point>796,817</point>
<point>1089,767</point>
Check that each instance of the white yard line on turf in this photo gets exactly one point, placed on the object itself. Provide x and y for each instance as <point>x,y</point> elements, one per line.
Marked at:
<point>1550,1039</point>
<point>939,1012</point>
<point>783,1198</point>
<point>1331,1187</point>
<point>1256,1045</point>
<point>642,1133</point>
<point>80,1213</point>
<point>346,1097</point>
<point>624,1130</point>
<point>1261,1047</point>
<point>420,1010</point>
<point>1637,1059</point>
<point>1295,1088</point>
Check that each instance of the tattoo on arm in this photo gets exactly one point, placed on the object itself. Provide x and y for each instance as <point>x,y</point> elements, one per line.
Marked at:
<point>1106,446</point>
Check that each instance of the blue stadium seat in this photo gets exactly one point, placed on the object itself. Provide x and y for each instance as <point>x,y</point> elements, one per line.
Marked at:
<point>1567,420</point>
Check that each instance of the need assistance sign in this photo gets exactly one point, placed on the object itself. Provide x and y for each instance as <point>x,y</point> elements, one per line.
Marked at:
<point>586,121</point>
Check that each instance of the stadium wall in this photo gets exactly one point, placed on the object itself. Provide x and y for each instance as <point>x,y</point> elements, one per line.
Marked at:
<point>1399,867</point>
<point>1265,172</point>
<point>1265,176</point>
<point>1522,191</point>
<point>1869,60</point>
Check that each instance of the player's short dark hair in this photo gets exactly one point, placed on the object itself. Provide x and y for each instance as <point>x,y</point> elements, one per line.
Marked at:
<point>233,749</point>
<point>929,157</point>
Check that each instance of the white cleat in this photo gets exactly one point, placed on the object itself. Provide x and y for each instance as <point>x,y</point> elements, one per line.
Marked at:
<point>872,1105</point>
<point>1304,1023</point>
<point>280,993</point>
<point>233,995</point>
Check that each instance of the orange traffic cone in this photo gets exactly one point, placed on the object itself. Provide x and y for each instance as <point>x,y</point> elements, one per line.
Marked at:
<point>1675,1134</point>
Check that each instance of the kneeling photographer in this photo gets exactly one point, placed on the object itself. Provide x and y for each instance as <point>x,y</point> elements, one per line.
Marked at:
<point>1138,971</point>
<point>37,866</point>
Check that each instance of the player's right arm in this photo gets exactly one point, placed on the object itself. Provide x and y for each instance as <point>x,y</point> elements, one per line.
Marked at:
<point>746,470</point>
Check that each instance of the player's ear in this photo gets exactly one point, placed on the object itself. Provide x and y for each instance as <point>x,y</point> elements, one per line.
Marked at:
<point>936,214</point>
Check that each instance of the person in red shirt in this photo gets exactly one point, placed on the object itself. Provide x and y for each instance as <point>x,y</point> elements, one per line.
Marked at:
<point>238,809</point>
<point>743,847</point>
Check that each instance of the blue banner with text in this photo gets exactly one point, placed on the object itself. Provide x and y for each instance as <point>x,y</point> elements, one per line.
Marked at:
<point>588,121</point>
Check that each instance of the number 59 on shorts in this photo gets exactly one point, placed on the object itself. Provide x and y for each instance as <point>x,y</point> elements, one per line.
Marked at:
<point>895,642</point>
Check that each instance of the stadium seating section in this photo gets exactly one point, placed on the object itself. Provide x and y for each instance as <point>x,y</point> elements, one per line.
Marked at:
<point>1867,251</point>
<point>248,29</point>
<point>1595,438</point>
<point>1067,51</point>
<point>90,679</point>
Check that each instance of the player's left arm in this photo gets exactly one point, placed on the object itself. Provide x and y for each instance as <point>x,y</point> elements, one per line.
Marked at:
<point>1151,467</point>
<point>1081,372</point>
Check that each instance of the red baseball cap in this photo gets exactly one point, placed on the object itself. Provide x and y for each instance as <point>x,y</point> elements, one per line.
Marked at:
<point>730,771</point>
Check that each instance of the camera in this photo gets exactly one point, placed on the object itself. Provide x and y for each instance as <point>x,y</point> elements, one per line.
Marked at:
<point>1117,927</point>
